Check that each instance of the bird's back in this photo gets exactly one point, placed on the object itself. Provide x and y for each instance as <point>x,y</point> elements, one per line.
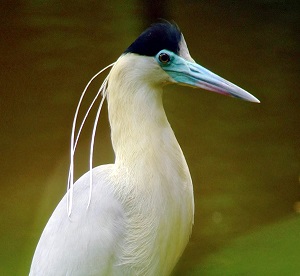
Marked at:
<point>87,242</point>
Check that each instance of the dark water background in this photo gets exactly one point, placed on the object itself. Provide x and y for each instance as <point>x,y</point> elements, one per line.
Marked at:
<point>244,158</point>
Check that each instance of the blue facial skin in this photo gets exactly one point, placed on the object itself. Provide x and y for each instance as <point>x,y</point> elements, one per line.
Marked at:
<point>177,67</point>
<point>195,75</point>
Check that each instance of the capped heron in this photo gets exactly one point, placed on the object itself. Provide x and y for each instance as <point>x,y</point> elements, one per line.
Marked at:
<point>133,217</point>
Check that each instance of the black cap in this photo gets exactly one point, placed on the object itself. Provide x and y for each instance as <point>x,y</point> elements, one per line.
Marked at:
<point>159,36</point>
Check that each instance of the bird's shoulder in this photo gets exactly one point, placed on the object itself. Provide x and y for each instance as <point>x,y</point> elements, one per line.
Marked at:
<point>92,232</point>
<point>104,200</point>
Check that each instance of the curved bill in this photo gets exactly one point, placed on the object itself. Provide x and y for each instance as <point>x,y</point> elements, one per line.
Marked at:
<point>192,74</point>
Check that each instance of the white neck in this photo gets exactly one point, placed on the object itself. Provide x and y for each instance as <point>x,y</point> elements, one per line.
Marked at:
<point>159,186</point>
<point>138,120</point>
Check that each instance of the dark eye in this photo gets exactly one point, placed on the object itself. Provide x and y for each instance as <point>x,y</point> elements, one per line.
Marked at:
<point>164,58</point>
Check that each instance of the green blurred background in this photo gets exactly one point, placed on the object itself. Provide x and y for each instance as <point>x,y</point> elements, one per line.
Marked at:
<point>244,158</point>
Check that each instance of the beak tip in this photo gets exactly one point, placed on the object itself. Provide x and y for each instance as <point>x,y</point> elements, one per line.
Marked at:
<point>255,100</point>
<point>246,96</point>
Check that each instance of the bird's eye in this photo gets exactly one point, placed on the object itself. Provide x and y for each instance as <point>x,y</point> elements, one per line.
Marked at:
<point>164,58</point>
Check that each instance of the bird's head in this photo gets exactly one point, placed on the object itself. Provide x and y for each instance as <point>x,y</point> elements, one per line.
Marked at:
<point>166,59</point>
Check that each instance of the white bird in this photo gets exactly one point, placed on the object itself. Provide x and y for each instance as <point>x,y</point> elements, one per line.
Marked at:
<point>140,212</point>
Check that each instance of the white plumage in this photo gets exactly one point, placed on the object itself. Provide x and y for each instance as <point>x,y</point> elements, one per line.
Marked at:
<point>141,211</point>
<point>140,216</point>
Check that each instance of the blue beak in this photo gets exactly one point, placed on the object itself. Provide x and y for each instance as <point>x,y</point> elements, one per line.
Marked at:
<point>192,74</point>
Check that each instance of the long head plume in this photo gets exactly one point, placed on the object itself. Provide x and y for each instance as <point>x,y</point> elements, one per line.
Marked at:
<point>74,141</point>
